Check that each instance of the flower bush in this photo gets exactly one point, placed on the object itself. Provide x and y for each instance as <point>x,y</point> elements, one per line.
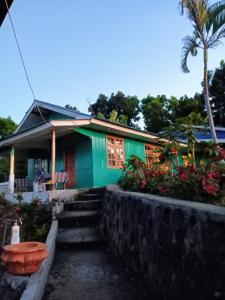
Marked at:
<point>205,183</point>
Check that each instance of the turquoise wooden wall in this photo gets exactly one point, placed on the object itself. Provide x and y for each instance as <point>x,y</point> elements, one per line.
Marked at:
<point>102,175</point>
<point>83,162</point>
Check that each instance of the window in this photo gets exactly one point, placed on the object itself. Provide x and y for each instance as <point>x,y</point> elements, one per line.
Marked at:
<point>151,156</point>
<point>115,152</point>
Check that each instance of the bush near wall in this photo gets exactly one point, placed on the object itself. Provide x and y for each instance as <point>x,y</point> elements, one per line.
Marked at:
<point>205,183</point>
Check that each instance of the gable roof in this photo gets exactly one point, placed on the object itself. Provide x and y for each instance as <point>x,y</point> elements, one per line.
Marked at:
<point>40,107</point>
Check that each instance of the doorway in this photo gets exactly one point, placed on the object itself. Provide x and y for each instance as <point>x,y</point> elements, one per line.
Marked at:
<point>70,167</point>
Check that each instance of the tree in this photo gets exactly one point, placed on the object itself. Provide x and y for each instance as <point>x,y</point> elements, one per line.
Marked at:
<point>7,127</point>
<point>114,117</point>
<point>180,108</point>
<point>208,30</point>
<point>217,93</point>
<point>154,110</point>
<point>160,112</point>
<point>71,107</point>
<point>187,130</point>
<point>128,106</point>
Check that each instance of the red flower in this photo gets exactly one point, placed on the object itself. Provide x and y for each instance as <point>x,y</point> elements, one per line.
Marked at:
<point>211,189</point>
<point>183,176</point>
<point>173,150</point>
<point>17,210</point>
<point>155,173</point>
<point>163,189</point>
<point>143,184</point>
<point>147,173</point>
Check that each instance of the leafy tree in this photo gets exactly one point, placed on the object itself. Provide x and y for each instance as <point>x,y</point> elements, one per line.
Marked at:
<point>122,119</point>
<point>154,110</point>
<point>208,30</point>
<point>4,167</point>
<point>7,127</point>
<point>71,107</point>
<point>217,93</point>
<point>128,106</point>
<point>186,127</point>
<point>180,108</point>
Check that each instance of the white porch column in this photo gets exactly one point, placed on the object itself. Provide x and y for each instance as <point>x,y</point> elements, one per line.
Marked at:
<point>11,173</point>
<point>53,155</point>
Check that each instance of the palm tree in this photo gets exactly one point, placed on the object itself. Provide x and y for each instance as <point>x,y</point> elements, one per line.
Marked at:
<point>208,30</point>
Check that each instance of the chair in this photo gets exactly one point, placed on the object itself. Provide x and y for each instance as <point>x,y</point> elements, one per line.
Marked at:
<point>21,185</point>
<point>61,177</point>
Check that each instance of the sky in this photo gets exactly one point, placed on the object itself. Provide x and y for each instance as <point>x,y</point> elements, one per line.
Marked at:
<point>76,49</point>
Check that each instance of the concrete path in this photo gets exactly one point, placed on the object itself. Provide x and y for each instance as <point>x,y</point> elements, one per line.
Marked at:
<point>83,269</point>
<point>92,275</point>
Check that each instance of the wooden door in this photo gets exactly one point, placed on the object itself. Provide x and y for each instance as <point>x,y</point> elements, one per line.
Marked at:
<point>70,167</point>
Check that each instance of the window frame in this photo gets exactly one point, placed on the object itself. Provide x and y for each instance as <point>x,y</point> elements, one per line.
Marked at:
<point>152,147</point>
<point>107,153</point>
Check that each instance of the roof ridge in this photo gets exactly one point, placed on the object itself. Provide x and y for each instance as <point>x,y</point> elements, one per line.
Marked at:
<point>62,107</point>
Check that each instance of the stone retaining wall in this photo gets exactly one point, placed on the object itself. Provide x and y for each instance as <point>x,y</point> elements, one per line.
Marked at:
<point>177,246</point>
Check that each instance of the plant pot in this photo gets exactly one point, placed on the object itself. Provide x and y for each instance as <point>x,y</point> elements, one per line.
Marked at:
<point>49,186</point>
<point>24,258</point>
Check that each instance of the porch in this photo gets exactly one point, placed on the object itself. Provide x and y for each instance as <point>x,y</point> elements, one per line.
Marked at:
<point>48,163</point>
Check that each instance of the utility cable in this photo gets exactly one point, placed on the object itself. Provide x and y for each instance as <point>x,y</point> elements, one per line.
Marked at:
<point>19,49</point>
<point>22,59</point>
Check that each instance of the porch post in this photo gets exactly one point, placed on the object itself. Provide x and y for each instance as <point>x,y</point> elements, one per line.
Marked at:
<point>53,155</point>
<point>11,172</point>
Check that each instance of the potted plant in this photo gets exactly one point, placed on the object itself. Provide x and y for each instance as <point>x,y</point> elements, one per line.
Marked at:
<point>24,258</point>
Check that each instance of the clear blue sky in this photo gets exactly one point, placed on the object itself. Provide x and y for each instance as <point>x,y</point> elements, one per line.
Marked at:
<point>76,49</point>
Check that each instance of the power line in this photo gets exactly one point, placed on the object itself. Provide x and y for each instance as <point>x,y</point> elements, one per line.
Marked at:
<point>22,60</point>
<point>19,50</point>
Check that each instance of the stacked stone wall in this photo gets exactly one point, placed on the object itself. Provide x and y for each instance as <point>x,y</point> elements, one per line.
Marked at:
<point>177,246</point>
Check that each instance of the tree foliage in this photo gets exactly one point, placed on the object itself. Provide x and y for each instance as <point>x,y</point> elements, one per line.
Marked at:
<point>125,106</point>
<point>7,127</point>
<point>208,23</point>
<point>217,93</point>
<point>71,107</point>
<point>161,112</point>
<point>155,112</point>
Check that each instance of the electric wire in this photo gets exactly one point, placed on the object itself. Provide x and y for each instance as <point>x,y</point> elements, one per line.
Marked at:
<point>22,59</point>
<point>19,50</point>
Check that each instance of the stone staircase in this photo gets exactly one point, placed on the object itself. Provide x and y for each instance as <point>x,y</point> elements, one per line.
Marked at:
<point>79,222</point>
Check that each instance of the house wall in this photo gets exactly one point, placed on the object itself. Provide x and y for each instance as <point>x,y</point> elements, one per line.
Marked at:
<point>102,175</point>
<point>83,162</point>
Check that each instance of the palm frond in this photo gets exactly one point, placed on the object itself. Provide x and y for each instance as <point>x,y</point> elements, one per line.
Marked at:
<point>190,46</point>
<point>197,13</point>
<point>216,16</point>
<point>215,39</point>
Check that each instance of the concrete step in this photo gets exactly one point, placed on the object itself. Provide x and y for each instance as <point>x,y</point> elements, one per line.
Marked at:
<point>88,197</point>
<point>79,218</point>
<point>83,205</point>
<point>78,238</point>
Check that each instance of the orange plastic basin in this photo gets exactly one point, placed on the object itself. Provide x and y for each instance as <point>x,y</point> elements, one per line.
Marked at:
<point>24,258</point>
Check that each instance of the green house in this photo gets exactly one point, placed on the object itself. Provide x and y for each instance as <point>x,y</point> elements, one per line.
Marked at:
<point>89,150</point>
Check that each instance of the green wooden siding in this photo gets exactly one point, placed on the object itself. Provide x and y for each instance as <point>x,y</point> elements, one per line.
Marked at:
<point>30,167</point>
<point>102,174</point>
<point>83,162</point>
